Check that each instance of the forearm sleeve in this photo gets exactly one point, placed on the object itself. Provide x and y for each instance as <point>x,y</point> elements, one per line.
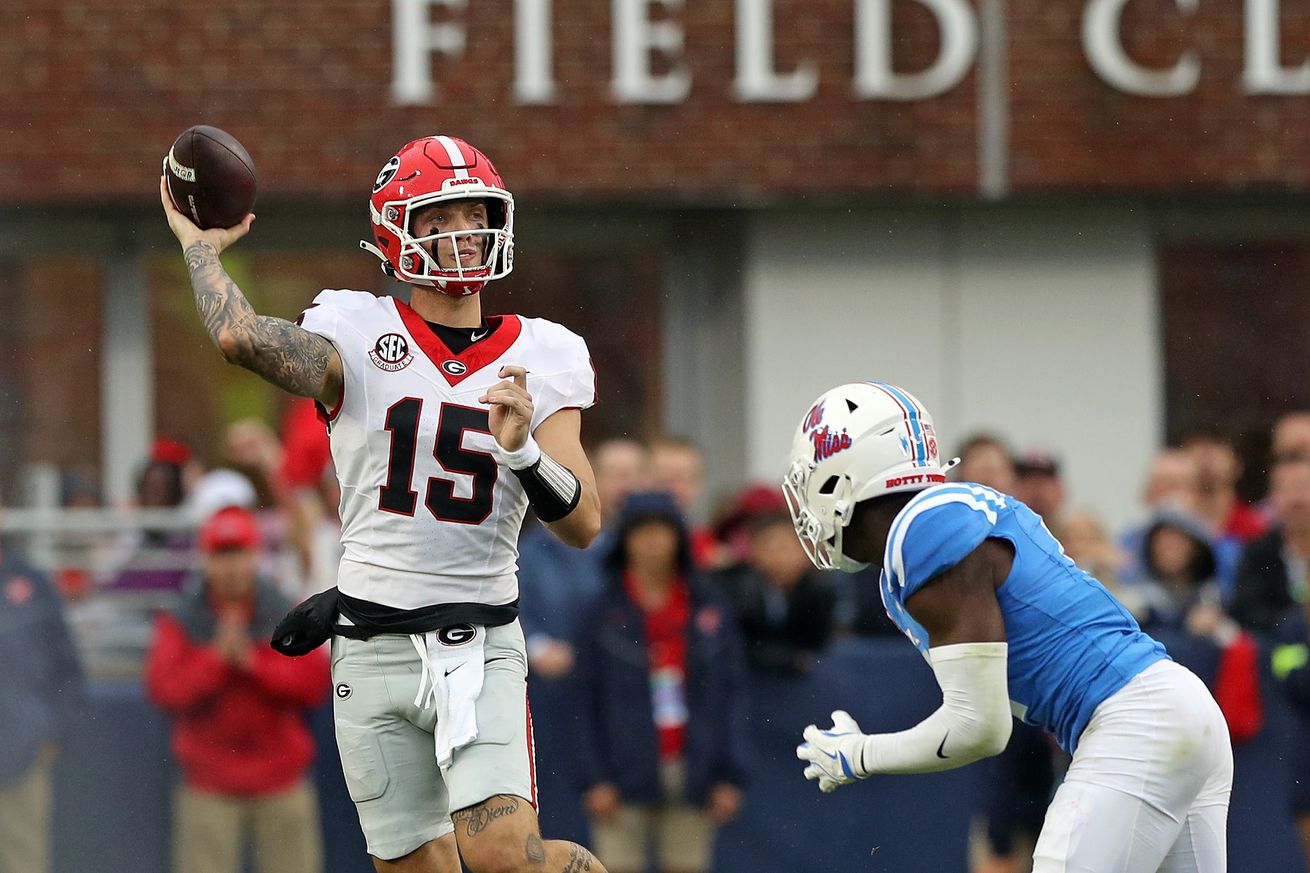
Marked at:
<point>973,722</point>
<point>552,489</point>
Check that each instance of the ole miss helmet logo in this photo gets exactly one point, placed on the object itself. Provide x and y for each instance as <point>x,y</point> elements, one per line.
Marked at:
<point>391,352</point>
<point>828,442</point>
<point>813,418</point>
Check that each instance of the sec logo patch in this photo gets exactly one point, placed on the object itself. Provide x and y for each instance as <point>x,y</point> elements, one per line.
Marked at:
<point>391,353</point>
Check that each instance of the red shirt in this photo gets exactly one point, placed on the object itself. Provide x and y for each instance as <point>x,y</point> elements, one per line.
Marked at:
<point>1244,522</point>
<point>238,731</point>
<point>305,446</point>
<point>666,649</point>
<point>704,547</point>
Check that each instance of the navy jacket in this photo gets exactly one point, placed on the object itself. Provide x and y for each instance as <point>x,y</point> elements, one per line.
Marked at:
<point>40,687</point>
<point>1260,595</point>
<point>616,725</point>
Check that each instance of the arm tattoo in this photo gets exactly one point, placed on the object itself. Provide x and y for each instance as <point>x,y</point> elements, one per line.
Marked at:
<point>579,860</point>
<point>478,817</point>
<point>282,353</point>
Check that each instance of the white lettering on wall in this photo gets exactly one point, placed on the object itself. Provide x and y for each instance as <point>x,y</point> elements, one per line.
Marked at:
<point>650,66</point>
<point>874,76</point>
<point>756,78</point>
<point>414,40</point>
<point>636,39</point>
<point>533,82</point>
<point>1105,52</point>
<point>1264,73</point>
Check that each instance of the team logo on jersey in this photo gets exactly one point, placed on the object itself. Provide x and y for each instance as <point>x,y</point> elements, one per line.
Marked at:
<point>344,691</point>
<point>391,353</point>
<point>454,368</point>
<point>456,634</point>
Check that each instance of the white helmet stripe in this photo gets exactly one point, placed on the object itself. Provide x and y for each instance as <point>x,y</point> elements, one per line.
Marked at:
<point>457,158</point>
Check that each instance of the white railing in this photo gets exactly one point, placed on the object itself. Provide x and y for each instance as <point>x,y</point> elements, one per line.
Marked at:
<point>116,568</point>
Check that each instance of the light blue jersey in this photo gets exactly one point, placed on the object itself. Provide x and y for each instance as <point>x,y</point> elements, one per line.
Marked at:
<point>1071,644</point>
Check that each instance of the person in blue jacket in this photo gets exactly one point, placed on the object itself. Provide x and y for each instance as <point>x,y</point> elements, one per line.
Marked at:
<point>40,692</point>
<point>1009,625</point>
<point>662,715</point>
<point>1290,665</point>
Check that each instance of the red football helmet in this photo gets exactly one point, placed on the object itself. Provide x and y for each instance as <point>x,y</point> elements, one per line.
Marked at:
<point>432,170</point>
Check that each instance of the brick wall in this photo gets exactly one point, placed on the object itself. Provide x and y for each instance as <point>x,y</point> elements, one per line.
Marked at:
<point>55,358</point>
<point>95,90</point>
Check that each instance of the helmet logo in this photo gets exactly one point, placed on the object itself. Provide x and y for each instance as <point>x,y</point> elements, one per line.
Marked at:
<point>387,174</point>
<point>391,353</point>
<point>813,418</point>
<point>393,214</point>
<point>827,443</point>
<point>454,368</point>
<point>930,437</point>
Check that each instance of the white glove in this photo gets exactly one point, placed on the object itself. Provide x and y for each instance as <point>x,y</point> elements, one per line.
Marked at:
<point>836,756</point>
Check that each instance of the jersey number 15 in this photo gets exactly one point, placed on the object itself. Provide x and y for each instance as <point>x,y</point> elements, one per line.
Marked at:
<point>399,496</point>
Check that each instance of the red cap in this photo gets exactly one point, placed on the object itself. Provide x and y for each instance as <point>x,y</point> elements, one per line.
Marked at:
<point>752,503</point>
<point>230,528</point>
<point>170,451</point>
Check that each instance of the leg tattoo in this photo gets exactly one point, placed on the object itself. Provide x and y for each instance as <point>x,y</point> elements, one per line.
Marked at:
<point>478,817</point>
<point>579,860</point>
<point>535,850</point>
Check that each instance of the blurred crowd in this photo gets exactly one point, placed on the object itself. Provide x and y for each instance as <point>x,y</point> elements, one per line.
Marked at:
<point>671,609</point>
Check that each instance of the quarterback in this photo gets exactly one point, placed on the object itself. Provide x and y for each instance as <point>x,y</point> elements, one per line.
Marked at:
<point>1009,625</point>
<point>445,426</point>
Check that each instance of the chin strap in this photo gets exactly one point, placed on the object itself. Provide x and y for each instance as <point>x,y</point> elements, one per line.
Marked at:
<point>386,264</point>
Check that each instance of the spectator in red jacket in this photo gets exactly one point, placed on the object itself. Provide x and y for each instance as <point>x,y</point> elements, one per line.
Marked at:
<point>238,709</point>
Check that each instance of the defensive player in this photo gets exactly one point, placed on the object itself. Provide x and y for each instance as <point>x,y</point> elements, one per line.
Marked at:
<point>1008,624</point>
<point>445,424</point>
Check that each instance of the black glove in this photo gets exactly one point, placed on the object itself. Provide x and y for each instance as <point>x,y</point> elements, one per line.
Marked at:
<point>308,626</point>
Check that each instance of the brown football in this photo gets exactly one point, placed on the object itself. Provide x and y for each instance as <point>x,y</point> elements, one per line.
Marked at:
<point>210,176</point>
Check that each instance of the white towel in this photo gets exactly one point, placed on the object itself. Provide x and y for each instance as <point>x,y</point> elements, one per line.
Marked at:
<point>451,680</point>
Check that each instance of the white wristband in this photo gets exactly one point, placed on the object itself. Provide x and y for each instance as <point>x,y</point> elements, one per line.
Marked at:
<point>523,457</point>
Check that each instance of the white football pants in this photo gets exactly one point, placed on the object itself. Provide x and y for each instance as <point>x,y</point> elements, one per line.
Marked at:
<point>1148,787</point>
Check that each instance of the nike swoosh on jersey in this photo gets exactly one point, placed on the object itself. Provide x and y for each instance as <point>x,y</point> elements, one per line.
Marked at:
<point>940,753</point>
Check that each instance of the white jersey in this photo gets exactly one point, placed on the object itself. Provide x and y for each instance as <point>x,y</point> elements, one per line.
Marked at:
<point>429,513</point>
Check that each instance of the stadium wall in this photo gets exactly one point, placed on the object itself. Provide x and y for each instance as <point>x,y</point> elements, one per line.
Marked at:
<point>114,778</point>
<point>1039,325</point>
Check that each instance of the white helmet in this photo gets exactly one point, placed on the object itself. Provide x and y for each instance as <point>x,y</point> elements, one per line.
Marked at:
<point>857,442</point>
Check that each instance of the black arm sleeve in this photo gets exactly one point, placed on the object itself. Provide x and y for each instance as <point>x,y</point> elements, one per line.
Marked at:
<point>551,487</point>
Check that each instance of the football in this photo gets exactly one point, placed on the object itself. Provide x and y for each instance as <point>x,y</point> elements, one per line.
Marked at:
<point>210,176</point>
